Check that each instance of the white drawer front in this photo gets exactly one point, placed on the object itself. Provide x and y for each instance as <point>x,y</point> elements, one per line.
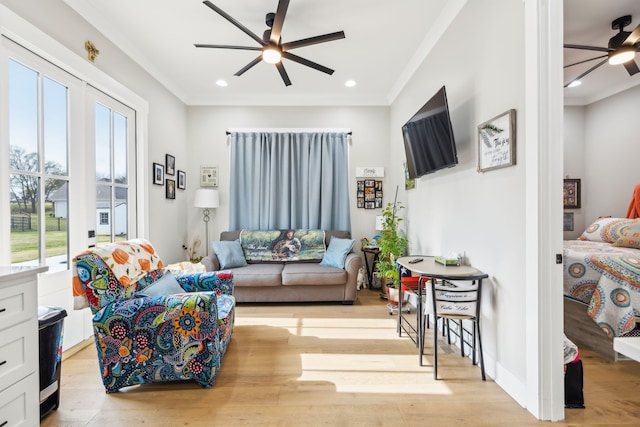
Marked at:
<point>17,304</point>
<point>18,352</point>
<point>19,403</point>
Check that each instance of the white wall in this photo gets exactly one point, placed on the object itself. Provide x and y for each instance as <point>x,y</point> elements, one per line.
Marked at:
<point>574,163</point>
<point>612,153</point>
<point>459,208</point>
<point>208,145</point>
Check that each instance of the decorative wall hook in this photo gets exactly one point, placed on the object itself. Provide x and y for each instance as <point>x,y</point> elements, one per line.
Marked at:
<point>92,52</point>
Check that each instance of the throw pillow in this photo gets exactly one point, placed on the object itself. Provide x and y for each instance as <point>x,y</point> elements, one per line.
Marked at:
<point>337,252</point>
<point>630,238</point>
<point>606,229</point>
<point>229,254</point>
<point>166,285</point>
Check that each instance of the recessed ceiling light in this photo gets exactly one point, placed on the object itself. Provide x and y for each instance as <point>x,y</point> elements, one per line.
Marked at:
<point>575,83</point>
<point>221,83</point>
<point>350,83</point>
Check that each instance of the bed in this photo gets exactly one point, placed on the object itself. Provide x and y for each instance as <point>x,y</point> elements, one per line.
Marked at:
<point>601,279</point>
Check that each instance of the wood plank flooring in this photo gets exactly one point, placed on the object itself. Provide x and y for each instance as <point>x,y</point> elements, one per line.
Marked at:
<point>333,365</point>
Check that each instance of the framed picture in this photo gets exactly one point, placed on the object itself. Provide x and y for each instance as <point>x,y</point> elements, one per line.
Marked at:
<point>158,174</point>
<point>171,164</point>
<point>567,223</point>
<point>208,176</point>
<point>170,189</point>
<point>497,142</point>
<point>182,180</point>
<point>571,194</point>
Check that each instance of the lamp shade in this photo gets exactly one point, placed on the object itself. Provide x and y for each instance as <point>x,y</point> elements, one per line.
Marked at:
<point>206,198</point>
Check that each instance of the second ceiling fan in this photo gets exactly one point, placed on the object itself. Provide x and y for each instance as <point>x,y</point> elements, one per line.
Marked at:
<point>621,49</point>
<point>271,48</point>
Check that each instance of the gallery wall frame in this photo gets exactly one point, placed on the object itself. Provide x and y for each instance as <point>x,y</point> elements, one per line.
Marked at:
<point>170,189</point>
<point>182,180</point>
<point>170,164</point>
<point>208,176</point>
<point>158,174</point>
<point>571,193</point>
<point>497,142</point>
<point>369,194</point>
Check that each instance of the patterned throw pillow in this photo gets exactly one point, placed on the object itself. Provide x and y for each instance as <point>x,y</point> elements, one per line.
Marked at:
<point>282,245</point>
<point>607,229</point>
<point>630,238</point>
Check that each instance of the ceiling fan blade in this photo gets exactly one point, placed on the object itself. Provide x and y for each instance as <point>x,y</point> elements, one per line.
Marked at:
<point>306,62</point>
<point>313,40</point>
<point>632,67</point>
<point>234,22</point>
<point>587,72</point>
<point>248,66</point>
<point>226,46</point>
<point>586,60</point>
<point>283,74</point>
<point>278,22</point>
<point>633,37</point>
<point>579,46</point>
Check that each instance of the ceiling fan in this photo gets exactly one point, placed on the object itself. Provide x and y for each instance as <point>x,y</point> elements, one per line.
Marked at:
<point>621,49</point>
<point>271,47</point>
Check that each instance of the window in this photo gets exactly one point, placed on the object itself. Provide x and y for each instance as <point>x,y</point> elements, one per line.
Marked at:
<point>38,162</point>
<point>104,218</point>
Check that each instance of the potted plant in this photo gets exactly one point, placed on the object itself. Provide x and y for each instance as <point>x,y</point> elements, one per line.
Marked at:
<point>392,245</point>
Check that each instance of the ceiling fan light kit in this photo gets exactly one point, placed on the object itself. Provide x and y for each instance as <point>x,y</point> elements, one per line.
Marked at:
<point>621,49</point>
<point>271,47</point>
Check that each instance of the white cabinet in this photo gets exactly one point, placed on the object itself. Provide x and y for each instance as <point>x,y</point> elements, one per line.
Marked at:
<point>19,394</point>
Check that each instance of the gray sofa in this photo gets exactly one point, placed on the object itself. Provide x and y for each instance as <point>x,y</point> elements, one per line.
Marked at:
<point>292,281</point>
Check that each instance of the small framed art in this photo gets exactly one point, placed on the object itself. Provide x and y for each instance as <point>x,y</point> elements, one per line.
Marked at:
<point>182,180</point>
<point>571,194</point>
<point>170,189</point>
<point>208,176</point>
<point>171,164</point>
<point>158,174</point>
<point>497,142</point>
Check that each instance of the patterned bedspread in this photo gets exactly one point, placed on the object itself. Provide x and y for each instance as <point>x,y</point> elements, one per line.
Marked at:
<point>608,279</point>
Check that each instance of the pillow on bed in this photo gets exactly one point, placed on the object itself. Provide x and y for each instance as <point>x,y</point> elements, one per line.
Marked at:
<point>607,229</point>
<point>630,238</point>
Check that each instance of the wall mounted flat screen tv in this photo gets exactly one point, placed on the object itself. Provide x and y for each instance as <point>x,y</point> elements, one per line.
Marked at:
<point>428,138</point>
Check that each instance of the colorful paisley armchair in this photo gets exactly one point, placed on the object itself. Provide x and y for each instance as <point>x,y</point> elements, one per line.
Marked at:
<point>151,325</point>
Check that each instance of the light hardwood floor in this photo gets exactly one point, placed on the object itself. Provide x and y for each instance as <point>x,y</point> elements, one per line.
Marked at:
<point>333,365</point>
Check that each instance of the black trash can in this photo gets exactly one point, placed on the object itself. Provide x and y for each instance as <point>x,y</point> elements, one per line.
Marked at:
<point>50,322</point>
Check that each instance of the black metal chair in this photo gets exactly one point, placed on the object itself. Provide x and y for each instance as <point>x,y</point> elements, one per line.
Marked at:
<point>455,302</point>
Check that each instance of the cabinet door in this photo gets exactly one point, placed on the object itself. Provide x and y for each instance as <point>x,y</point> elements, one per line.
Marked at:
<point>18,352</point>
<point>19,403</point>
<point>17,303</point>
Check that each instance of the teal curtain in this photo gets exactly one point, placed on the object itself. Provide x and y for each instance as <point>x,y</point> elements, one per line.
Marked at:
<point>282,180</point>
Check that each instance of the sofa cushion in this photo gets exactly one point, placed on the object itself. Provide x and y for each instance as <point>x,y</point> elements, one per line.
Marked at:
<point>229,254</point>
<point>337,252</point>
<point>312,274</point>
<point>166,285</point>
<point>267,274</point>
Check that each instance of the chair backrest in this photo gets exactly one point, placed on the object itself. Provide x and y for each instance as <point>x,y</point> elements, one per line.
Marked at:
<point>114,272</point>
<point>454,300</point>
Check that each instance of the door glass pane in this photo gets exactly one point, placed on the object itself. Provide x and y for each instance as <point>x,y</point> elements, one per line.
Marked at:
<point>103,214</point>
<point>24,190</point>
<point>120,214</point>
<point>103,143</point>
<point>23,118</point>
<point>56,208</point>
<point>119,148</point>
<point>55,124</point>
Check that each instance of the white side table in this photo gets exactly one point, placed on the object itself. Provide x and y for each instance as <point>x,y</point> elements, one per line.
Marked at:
<point>629,346</point>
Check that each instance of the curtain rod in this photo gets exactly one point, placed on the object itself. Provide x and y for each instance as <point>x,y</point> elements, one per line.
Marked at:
<point>347,131</point>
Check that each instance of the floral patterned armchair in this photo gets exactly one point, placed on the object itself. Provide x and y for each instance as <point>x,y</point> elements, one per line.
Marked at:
<point>151,325</point>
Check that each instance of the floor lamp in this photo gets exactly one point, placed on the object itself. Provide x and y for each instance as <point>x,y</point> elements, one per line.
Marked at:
<point>206,198</point>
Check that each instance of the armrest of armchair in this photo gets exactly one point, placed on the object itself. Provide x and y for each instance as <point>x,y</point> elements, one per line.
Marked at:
<point>220,282</point>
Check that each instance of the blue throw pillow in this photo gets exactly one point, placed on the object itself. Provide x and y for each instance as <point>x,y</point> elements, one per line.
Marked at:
<point>166,285</point>
<point>229,254</point>
<point>337,252</point>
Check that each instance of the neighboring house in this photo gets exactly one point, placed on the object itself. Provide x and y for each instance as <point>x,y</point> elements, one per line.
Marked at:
<point>104,218</point>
